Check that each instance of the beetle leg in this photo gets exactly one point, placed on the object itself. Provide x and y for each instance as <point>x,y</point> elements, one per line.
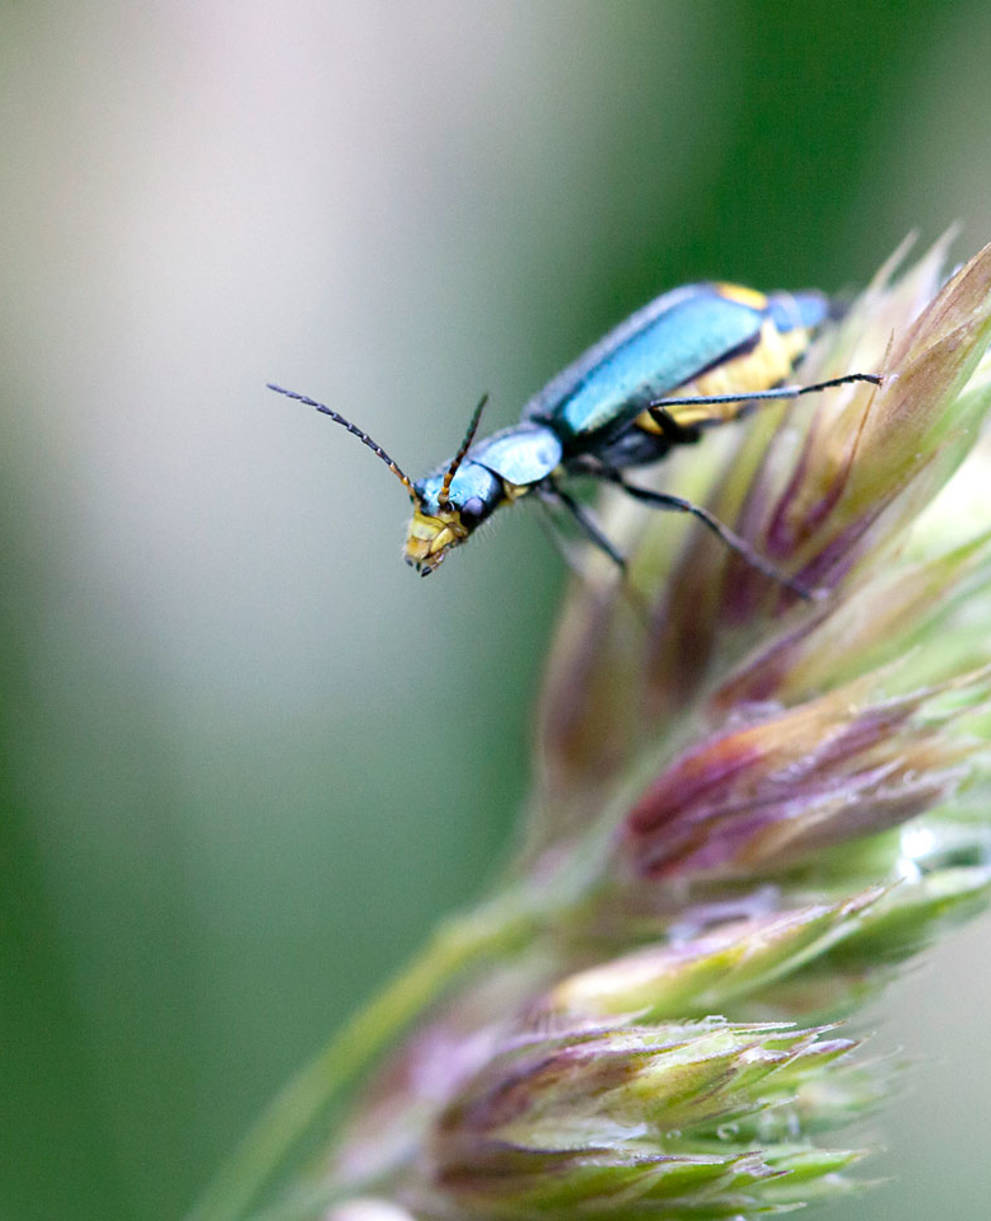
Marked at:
<point>672,432</point>
<point>586,523</point>
<point>677,504</point>
<point>556,535</point>
<point>781,392</point>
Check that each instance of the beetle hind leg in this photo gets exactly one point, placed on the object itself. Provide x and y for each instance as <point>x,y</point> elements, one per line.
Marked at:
<point>669,428</point>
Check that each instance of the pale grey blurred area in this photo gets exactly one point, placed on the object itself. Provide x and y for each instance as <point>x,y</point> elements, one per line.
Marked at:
<point>247,756</point>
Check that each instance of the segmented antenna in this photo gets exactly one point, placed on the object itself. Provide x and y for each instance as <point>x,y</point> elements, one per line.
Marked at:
<point>355,431</point>
<point>458,458</point>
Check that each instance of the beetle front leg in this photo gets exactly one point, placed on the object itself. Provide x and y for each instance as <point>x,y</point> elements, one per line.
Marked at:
<point>552,493</point>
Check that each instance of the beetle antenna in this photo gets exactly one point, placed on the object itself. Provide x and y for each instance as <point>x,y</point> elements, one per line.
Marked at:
<point>459,457</point>
<point>355,431</point>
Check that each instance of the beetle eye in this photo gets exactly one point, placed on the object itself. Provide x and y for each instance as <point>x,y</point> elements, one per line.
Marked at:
<point>472,509</point>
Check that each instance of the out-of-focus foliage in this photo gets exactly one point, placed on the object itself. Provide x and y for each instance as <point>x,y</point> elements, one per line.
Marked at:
<point>716,870</point>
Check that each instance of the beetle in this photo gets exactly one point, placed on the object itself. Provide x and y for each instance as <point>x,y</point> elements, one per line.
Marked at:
<point>692,358</point>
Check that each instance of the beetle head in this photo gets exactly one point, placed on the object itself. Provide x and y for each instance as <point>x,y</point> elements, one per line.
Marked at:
<point>448,505</point>
<point>445,509</point>
<point>431,536</point>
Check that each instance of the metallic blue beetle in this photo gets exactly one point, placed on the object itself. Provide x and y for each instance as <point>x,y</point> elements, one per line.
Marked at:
<point>691,358</point>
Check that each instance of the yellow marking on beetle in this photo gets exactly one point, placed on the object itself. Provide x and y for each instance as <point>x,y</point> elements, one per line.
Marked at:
<point>765,366</point>
<point>513,491</point>
<point>745,296</point>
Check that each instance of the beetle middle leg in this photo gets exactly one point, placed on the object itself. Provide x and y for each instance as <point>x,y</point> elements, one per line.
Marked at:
<point>677,504</point>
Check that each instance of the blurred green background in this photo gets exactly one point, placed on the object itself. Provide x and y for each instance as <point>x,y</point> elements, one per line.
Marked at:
<point>246,759</point>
